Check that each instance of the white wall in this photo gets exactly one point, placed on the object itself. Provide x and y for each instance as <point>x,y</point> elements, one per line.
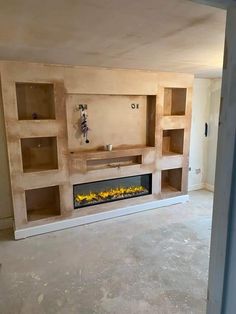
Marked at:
<point>213,118</point>
<point>202,159</point>
<point>198,141</point>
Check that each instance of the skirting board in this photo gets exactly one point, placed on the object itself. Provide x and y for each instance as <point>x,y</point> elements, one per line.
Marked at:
<point>209,187</point>
<point>6,223</point>
<point>196,187</point>
<point>201,186</point>
<point>78,221</point>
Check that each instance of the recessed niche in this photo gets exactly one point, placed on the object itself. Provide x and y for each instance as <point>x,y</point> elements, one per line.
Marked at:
<point>39,153</point>
<point>126,121</point>
<point>173,142</point>
<point>42,203</point>
<point>151,121</point>
<point>35,101</point>
<point>118,162</point>
<point>175,101</point>
<point>171,180</point>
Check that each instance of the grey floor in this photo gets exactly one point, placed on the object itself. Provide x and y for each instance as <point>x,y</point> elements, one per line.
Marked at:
<point>151,262</point>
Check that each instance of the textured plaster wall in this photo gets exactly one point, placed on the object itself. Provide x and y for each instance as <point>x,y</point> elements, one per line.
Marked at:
<point>206,100</point>
<point>5,191</point>
<point>186,37</point>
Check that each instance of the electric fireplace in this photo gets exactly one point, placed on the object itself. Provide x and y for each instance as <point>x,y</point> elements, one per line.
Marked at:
<point>93,193</point>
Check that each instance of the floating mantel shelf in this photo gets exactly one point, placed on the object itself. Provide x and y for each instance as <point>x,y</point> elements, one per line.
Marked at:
<point>117,152</point>
<point>117,158</point>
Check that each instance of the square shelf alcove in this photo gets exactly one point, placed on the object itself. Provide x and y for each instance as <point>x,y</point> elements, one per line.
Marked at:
<point>171,180</point>
<point>175,101</point>
<point>173,142</point>
<point>39,153</point>
<point>42,203</point>
<point>35,101</point>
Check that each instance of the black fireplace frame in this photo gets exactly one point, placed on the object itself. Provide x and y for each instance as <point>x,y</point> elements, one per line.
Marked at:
<point>113,200</point>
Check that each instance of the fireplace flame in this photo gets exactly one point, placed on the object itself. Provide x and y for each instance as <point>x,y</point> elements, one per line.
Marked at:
<point>110,194</point>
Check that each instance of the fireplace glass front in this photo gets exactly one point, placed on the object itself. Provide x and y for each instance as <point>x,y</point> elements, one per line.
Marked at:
<point>98,192</point>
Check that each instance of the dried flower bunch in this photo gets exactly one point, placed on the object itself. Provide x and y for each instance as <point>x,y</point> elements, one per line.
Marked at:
<point>84,124</point>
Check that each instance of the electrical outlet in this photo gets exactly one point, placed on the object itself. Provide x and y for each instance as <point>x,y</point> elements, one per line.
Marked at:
<point>197,171</point>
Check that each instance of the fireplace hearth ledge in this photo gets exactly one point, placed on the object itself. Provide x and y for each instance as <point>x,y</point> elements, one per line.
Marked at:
<point>78,221</point>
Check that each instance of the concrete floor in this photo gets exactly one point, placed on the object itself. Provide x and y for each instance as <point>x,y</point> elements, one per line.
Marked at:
<point>151,262</point>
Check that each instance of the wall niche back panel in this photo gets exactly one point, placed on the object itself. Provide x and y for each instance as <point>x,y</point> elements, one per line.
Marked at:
<point>42,203</point>
<point>111,120</point>
<point>39,153</point>
<point>175,101</point>
<point>35,100</point>
<point>173,142</point>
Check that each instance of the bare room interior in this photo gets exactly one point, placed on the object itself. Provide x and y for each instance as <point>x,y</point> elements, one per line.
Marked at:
<point>109,122</point>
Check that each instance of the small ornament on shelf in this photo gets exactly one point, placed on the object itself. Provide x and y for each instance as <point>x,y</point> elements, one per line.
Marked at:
<point>34,116</point>
<point>109,147</point>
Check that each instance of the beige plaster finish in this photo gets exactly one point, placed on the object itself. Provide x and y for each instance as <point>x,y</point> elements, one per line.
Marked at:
<point>173,35</point>
<point>85,80</point>
<point>5,189</point>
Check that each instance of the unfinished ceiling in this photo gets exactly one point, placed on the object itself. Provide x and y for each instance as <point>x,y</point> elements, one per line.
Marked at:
<point>164,35</point>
